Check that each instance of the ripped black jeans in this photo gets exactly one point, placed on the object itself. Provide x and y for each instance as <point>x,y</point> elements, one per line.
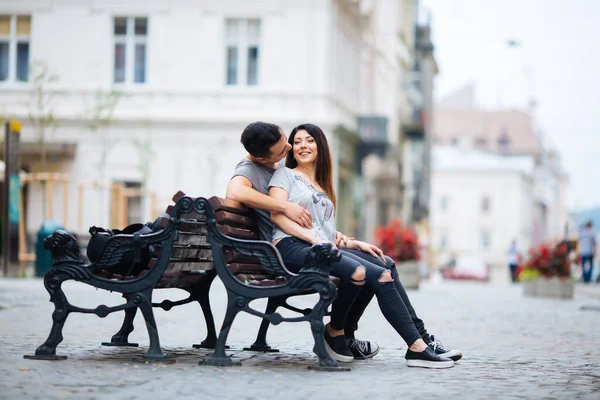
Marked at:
<point>293,252</point>
<point>362,300</point>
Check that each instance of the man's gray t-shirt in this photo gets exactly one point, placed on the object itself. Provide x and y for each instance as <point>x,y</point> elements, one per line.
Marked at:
<point>259,176</point>
<point>316,202</point>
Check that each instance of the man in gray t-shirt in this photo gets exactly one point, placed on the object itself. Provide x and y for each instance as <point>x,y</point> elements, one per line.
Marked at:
<point>259,176</point>
<point>267,146</point>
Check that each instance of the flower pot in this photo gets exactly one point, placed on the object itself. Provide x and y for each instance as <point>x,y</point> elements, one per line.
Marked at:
<point>549,287</point>
<point>409,274</point>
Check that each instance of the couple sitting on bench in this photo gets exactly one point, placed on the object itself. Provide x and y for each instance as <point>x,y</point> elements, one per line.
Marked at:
<point>295,205</point>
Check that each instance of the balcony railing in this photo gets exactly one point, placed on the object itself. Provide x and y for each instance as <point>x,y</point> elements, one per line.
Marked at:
<point>374,138</point>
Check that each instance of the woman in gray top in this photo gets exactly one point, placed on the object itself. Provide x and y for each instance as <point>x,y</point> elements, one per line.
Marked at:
<point>307,180</point>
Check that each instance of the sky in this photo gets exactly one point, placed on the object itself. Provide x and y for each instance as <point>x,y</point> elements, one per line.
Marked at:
<point>557,62</point>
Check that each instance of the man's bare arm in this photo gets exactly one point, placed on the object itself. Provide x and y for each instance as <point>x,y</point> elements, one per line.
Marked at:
<point>240,189</point>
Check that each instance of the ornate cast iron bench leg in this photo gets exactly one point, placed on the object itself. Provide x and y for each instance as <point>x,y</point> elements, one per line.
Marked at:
<point>201,294</point>
<point>47,351</point>
<point>261,339</point>
<point>154,353</point>
<point>327,294</point>
<point>234,304</point>
<point>121,338</point>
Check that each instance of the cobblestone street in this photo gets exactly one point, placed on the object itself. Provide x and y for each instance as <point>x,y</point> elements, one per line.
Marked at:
<point>514,347</point>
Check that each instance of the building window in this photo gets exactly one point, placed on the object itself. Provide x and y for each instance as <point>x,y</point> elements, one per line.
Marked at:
<point>444,203</point>
<point>131,41</point>
<point>15,32</point>
<point>443,241</point>
<point>485,240</point>
<point>242,52</point>
<point>126,204</point>
<point>504,142</point>
<point>485,204</point>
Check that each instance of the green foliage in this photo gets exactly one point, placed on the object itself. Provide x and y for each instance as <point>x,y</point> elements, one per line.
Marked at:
<point>100,114</point>
<point>529,274</point>
<point>42,103</point>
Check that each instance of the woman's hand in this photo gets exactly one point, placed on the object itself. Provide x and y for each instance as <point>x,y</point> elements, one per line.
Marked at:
<point>371,249</point>
<point>342,240</point>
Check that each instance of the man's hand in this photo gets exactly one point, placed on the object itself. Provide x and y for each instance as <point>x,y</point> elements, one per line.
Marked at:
<point>299,215</point>
<point>371,249</point>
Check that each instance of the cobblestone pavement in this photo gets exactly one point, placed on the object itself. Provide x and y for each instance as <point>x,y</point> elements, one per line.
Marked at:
<point>515,347</point>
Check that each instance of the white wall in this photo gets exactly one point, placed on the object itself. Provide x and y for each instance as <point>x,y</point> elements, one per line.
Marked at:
<point>308,72</point>
<point>186,59</point>
<point>510,215</point>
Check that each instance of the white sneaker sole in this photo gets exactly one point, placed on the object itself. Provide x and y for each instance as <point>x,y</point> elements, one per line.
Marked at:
<point>430,364</point>
<point>336,356</point>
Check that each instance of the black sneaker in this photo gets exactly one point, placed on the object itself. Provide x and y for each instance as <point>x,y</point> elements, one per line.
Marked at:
<point>337,348</point>
<point>362,349</point>
<point>427,359</point>
<point>443,351</point>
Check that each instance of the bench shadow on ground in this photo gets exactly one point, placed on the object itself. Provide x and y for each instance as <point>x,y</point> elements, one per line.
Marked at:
<point>190,357</point>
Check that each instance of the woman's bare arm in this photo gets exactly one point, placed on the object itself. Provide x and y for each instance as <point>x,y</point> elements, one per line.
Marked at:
<point>285,224</point>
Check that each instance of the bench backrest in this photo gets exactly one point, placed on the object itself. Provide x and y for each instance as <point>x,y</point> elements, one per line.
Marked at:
<point>191,255</point>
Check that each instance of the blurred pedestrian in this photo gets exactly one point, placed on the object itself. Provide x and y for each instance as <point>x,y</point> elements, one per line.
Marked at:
<point>513,260</point>
<point>587,250</point>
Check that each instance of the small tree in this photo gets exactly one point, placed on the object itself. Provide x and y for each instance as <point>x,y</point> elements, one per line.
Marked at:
<point>146,154</point>
<point>41,104</point>
<point>99,116</point>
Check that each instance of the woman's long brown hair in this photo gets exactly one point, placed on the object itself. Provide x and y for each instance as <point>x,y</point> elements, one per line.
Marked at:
<point>324,167</point>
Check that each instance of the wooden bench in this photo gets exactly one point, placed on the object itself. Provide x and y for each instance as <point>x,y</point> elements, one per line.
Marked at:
<point>193,249</point>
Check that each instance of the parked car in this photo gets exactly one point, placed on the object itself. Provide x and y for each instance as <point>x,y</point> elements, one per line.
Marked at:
<point>466,268</point>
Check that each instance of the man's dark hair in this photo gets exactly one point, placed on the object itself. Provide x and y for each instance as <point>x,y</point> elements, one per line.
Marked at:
<point>259,137</point>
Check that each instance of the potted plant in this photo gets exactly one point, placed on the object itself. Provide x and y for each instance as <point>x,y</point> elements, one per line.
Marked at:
<point>401,244</point>
<point>547,273</point>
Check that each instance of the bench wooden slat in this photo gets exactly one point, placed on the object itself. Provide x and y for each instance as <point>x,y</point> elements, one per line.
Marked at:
<point>180,281</point>
<point>218,204</point>
<point>232,219</point>
<point>192,252</point>
<point>185,265</point>
<point>241,268</point>
<point>235,257</point>
<point>193,227</point>
<point>238,233</point>
<point>191,239</point>
<point>177,196</point>
<point>199,251</point>
<point>261,280</point>
<point>191,215</point>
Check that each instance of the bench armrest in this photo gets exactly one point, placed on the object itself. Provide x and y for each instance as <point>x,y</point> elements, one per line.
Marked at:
<point>121,244</point>
<point>269,257</point>
<point>319,259</point>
